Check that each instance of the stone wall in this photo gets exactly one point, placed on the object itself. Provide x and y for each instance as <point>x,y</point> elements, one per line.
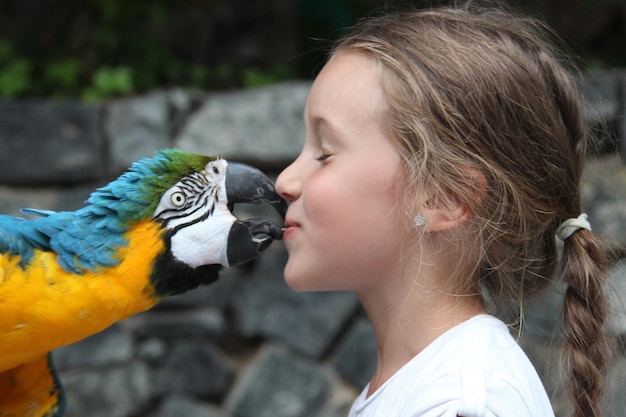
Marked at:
<point>248,346</point>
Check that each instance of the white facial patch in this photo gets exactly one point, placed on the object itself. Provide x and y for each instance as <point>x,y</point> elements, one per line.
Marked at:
<point>205,242</point>
<point>196,208</point>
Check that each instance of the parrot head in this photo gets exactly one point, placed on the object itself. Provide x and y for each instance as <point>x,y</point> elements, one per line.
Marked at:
<point>191,197</point>
<point>197,213</point>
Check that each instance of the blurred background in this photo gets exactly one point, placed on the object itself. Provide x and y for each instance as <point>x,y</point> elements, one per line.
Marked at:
<point>89,86</point>
<point>95,49</point>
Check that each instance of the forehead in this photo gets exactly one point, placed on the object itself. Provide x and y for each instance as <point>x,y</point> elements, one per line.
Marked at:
<point>350,82</point>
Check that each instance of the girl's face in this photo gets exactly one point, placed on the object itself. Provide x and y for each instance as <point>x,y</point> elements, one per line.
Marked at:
<point>345,223</point>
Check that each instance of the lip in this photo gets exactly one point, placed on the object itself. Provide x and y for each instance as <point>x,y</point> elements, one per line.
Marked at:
<point>290,228</point>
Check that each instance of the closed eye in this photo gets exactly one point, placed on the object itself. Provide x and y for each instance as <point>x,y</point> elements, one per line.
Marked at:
<point>323,157</point>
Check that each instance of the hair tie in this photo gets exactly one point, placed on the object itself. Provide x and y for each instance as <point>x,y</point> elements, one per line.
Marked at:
<point>570,226</point>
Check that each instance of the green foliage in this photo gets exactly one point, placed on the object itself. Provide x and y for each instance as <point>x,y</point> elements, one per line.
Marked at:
<point>107,82</point>
<point>15,72</point>
<point>63,76</point>
<point>95,49</point>
<point>253,77</point>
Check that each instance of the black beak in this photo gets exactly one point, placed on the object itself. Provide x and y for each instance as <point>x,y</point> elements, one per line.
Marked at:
<point>248,238</point>
<point>245,184</point>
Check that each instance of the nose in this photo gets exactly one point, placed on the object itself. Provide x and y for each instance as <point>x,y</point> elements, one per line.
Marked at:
<point>288,184</point>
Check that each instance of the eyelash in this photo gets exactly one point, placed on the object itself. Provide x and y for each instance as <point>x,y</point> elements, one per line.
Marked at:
<point>323,157</point>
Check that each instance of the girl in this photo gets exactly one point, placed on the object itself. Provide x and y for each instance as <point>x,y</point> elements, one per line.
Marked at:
<point>442,156</point>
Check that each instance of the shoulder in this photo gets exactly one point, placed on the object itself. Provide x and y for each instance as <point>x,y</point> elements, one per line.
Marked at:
<point>476,370</point>
<point>482,371</point>
<point>475,396</point>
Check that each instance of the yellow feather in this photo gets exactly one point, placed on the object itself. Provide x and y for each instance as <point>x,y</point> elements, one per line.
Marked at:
<point>43,306</point>
<point>28,390</point>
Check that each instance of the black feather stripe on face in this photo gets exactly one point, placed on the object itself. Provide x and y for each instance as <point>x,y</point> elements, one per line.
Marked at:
<point>199,193</point>
<point>171,276</point>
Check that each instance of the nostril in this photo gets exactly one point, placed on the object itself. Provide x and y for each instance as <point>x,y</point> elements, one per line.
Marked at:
<point>287,190</point>
<point>286,196</point>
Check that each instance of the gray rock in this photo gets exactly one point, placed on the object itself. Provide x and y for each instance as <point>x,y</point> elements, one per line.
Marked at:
<point>293,354</point>
<point>340,410</point>
<point>355,358</point>
<point>614,401</point>
<point>73,198</point>
<point>306,322</point>
<point>616,297</point>
<point>543,315</point>
<point>181,104</point>
<point>621,125</point>
<point>13,199</point>
<point>602,106</point>
<point>136,127</point>
<point>179,406</point>
<point>604,197</point>
<point>194,369</point>
<point>111,346</point>
<point>340,399</point>
<point>262,125</point>
<point>600,90</point>
<point>610,220</point>
<point>177,324</point>
<point>50,142</point>
<point>112,392</point>
<point>152,351</point>
<point>279,384</point>
<point>56,198</point>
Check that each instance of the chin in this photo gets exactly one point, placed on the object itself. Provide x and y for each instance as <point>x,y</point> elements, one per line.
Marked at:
<point>298,285</point>
<point>308,284</point>
<point>299,282</point>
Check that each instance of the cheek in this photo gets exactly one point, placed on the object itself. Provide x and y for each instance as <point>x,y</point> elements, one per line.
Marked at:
<point>323,198</point>
<point>354,220</point>
<point>355,201</point>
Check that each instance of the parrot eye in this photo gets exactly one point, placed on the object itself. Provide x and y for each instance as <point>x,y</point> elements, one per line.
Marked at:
<point>178,199</point>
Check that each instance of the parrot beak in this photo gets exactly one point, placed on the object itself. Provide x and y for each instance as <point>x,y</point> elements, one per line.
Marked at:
<point>248,238</point>
<point>245,184</point>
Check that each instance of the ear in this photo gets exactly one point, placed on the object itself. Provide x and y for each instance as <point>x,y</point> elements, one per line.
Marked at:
<point>447,211</point>
<point>443,215</point>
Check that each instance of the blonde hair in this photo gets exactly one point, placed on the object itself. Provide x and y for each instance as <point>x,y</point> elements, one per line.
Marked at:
<point>484,115</point>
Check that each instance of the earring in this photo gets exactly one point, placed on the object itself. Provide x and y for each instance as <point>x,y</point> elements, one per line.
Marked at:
<point>419,220</point>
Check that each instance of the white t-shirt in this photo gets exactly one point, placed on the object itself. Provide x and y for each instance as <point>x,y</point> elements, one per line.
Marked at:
<point>475,369</point>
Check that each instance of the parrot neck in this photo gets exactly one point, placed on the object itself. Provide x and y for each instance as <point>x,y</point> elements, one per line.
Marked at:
<point>171,276</point>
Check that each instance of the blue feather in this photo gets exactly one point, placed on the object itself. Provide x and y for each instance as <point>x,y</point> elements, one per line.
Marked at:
<point>88,239</point>
<point>84,240</point>
<point>11,240</point>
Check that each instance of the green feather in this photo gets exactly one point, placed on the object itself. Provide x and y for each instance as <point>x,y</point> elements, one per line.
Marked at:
<point>146,181</point>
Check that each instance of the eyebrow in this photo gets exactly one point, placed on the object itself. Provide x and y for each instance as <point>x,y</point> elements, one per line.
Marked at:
<point>319,123</point>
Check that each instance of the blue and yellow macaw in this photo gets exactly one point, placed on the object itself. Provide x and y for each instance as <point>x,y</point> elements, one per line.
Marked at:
<point>164,227</point>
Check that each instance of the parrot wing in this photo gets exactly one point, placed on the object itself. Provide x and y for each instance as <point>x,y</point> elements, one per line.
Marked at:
<point>11,241</point>
<point>80,242</point>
